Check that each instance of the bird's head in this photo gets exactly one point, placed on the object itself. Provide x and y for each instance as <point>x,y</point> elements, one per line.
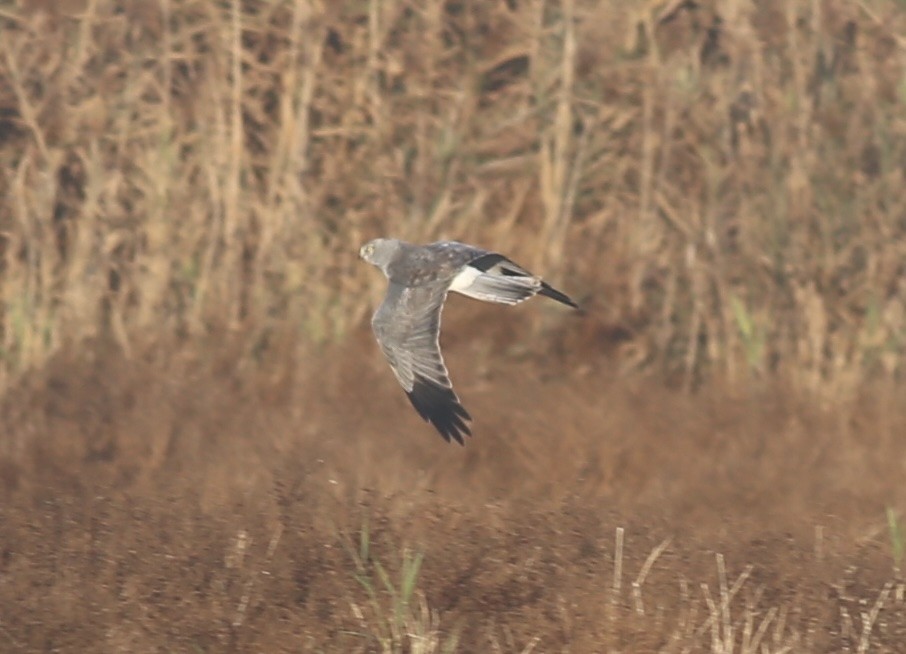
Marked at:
<point>379,251</point>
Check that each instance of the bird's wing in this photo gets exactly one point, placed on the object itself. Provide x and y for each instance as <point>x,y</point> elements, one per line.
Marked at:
<point>494,278</point>
<point>407,327</point>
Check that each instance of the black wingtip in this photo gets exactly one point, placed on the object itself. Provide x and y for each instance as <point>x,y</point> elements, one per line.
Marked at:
<point>440,406</point>
<point>549,291</point>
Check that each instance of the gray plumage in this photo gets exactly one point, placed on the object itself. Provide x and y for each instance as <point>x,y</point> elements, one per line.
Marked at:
<point>407,324</point>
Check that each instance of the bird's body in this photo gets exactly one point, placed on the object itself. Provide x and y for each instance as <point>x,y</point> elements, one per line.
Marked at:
<point>407,324</point>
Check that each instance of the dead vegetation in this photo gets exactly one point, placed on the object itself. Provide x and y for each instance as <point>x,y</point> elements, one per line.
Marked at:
<point>184,185</point>
<point>724,177</point>
<point>185,506</point>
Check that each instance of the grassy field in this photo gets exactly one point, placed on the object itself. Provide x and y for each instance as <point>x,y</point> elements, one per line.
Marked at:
<point>203,449</point>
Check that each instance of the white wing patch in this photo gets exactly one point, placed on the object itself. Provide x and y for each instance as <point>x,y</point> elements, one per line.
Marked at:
<point>464,279</point>
<point>492,286</point>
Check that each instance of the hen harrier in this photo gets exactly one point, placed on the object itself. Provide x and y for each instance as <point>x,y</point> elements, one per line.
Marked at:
<point>407,324</point>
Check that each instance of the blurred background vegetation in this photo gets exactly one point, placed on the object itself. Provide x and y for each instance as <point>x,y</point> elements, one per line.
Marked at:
<point>721,183</point>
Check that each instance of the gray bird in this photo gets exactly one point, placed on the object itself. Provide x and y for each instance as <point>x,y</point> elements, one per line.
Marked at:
<point>407,324</point>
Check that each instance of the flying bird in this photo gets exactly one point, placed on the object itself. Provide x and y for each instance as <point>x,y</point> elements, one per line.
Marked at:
<point>407,324</point>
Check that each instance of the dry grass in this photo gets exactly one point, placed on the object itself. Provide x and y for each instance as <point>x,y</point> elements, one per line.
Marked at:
<point>720,183</point>
<point>726,178</point>
<point>182,504</point>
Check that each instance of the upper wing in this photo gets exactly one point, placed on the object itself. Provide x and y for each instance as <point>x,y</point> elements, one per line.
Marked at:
<point>494,278</point>
<point>407,327</point>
